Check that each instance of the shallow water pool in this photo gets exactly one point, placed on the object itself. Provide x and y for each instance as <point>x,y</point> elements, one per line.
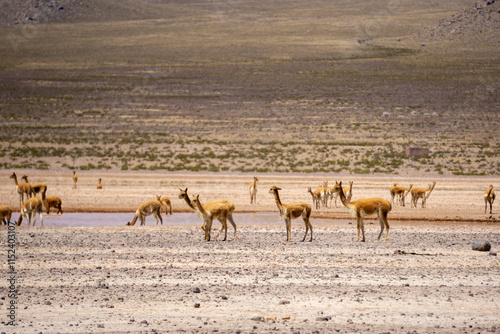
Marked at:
<point>120,219</point>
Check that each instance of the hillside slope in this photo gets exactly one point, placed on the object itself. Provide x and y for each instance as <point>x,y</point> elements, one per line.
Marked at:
<point>45,11</point>
<point>479,23</point>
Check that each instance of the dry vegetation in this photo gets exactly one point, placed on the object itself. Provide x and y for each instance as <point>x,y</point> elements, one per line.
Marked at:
<point>235,86</point>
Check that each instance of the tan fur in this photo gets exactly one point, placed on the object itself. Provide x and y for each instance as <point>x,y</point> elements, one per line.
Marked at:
<point>52,202</point>
<point>348,191</point>
<point>489,197</point>
<point>99,185</point>
<point>29,210</point>
<point>253,190</point>
<point>5,214</point>
<point>167,204</point>
<point>421,193</point>
<point>367,207</point>
<point>316,197</point>
<point>288,212</point>
<point>210,211</point>
<point>75,180</point>
<point>333,193</point>
<point>145,209</point>
<point>184,195</point>
<point>23,189</point>
<point>35,187</point>
<point>400,193</point>
<point>324,194</point>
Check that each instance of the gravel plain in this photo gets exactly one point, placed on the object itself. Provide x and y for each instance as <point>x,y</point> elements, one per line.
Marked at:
<point>165,278</point>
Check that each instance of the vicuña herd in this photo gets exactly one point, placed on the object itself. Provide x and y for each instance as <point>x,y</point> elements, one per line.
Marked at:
<point>222,209</point>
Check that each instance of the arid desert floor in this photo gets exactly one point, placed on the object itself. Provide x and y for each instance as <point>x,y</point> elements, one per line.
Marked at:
<point>146,279</point>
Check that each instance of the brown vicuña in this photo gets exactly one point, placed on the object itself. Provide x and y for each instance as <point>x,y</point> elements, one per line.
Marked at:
<point>5,214</point>
<point>367,207</point>
<point>324,194</point>
<point>75,180</point>
<point>253,190</point>
<point>35,187</point>
<point>29,210</point>
<point>52,202</point>
<point>400,193</point>
<point>210,211</point>
<point>292,211</point>
<point>146,209</point>
<point>489,197</point>
<point>348,191</point>
<point>99,185</point>
<point>419,192</point>
<point>333,193</point>
<point>22,189</point>
<point>184,195</point>
<point>165,202</point>
<point>316,197</point>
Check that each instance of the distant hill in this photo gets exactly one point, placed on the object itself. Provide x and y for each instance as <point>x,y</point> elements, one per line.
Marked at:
<point>479,23</point>
<point>45,11</point>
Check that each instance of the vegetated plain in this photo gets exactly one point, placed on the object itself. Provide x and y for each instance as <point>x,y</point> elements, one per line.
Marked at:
<point>250,87</point>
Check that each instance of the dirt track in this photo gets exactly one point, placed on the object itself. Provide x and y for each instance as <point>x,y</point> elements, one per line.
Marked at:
<point>166,279</point>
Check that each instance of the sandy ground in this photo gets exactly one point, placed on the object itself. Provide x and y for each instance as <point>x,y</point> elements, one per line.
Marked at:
<point>167,279</point>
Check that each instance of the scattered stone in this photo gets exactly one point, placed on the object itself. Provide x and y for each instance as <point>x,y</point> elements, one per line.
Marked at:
<point>284,302</point>
<point>323,318</point>
<point>286,317</point>
<point>481,245</point>
<point>48,303</point>
<point>493,254</point>
<point>271,319</point>
<point>259,319</point>
<point>196,290</point>
<point>197,305</point>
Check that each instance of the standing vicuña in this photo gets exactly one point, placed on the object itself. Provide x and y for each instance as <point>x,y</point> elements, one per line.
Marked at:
<point>210,211</point>
<point>22,189</point>
<point>52,202</point>
<point>75,180</point>
<point>489,197</point>
<point>184,195</point>
<point>400,193</point>
<point>333,193</point>
<point>147,208</point>
<point>348,191</point>
<point>292,211</point>
<point>165,202</point>
<point>316,197</point>
<point>35,187</point>
<point>29,210</point>
<point>99,185</point>
<point>5,214</point>
<point>253,190</point>
<point>419,192</point>
<point>367,207</point>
